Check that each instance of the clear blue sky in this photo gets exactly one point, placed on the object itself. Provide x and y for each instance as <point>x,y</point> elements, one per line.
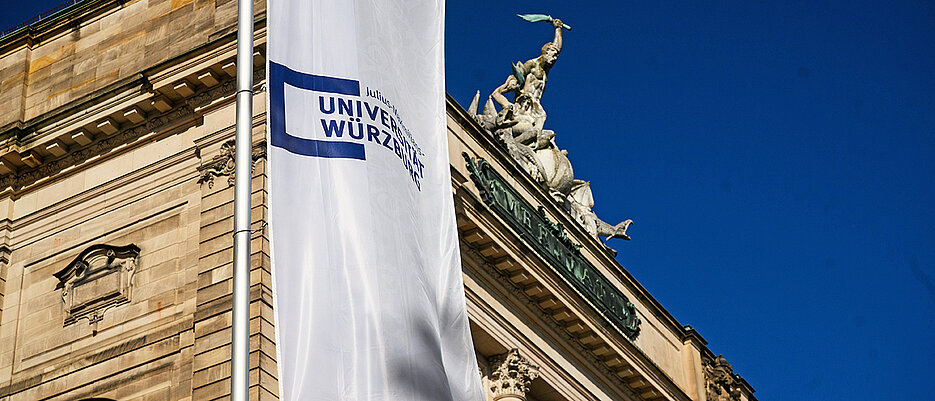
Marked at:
<point>778,159</point>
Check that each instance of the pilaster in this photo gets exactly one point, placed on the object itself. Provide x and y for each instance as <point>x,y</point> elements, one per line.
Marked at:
<point>211,379</point>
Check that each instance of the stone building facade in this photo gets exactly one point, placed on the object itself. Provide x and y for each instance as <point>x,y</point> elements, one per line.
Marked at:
<point>116,128</point>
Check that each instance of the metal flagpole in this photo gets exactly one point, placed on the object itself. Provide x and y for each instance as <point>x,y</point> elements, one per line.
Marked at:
<point>243,173</point>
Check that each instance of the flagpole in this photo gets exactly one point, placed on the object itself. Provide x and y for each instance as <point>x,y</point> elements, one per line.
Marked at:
<point>243,173</point>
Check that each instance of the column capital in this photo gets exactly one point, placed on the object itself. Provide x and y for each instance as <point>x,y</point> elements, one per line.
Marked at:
<point>511,375</point>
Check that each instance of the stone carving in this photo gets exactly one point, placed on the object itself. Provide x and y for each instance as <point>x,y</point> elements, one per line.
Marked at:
<point>224,89</point>
<point>223,164</point>
<point>550,320</point>
<point>720,381</point>
<point>25,177</point>
<point>518,127</point>
<point>172,118</point>
<point>551,242</point>
<point>510,376</point>
<point>99,278</point>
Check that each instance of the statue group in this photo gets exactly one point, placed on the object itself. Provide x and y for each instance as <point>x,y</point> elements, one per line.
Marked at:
<point>518,126</point>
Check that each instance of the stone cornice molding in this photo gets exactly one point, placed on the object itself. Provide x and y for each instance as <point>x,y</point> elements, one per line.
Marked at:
<point>519,272</point>
<point>553,245</point>
<point>186,111</point>
<point>573,343</point>
<point>27,146</point>
<point>20,179</point>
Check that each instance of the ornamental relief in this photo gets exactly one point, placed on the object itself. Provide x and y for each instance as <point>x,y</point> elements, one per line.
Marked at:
<point>100,277</point>
<point>553,245</point>
<point>222,165</point>
<point>182,113</point>
<point>510,376</point>
<point>721,383</point>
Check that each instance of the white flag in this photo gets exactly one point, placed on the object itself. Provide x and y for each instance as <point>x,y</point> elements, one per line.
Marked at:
<point>366,267</point>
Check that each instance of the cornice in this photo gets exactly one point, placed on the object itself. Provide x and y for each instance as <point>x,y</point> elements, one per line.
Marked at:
<point>496,247</point>
<point>27,147</point>
<point>508,336</point>
<point>29,176</point>
<point>61,21</point>
<point>188,110</point>
<point>589,245</point>
<point>684,333</point>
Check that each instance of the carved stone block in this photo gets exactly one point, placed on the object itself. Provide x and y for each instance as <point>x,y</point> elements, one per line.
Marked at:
<point>510,376</point>
<point>223,164</point>
<point>184,89</point>
<point>230,68</point>
<point>99,278</point>
<point>161,103</point>
<point>31,159</point>
<point>135,115</point>
<point>56,148</point>
<point>721,384</point>
<point>82,138</point>
<point>108,126</point>
<point>209,78</point>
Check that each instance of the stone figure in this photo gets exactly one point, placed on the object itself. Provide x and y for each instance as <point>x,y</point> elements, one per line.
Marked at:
<point>518,126</point>
<point>720,381</point>
<point>524,117</point>
<point>580,202</point>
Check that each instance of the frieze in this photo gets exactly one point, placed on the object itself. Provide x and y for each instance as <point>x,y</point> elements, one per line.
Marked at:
<point>25,177</point>
<point>224,89</point>
<point>559,328</point>
<point>551,242</point>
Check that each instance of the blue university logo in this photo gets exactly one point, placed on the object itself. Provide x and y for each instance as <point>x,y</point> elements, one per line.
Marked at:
<point>345,124</point>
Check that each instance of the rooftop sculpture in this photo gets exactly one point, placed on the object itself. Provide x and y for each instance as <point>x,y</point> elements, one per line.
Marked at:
<point>518,126</point>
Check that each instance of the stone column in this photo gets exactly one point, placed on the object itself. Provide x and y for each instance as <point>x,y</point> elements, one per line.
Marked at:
<point>510,376</point>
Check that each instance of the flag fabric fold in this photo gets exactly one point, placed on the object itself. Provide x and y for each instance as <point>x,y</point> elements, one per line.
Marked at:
<point>368,294</point>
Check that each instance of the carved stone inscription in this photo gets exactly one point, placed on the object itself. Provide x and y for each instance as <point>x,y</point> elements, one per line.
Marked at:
<point>100,277</point>
<point>550,241</point>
